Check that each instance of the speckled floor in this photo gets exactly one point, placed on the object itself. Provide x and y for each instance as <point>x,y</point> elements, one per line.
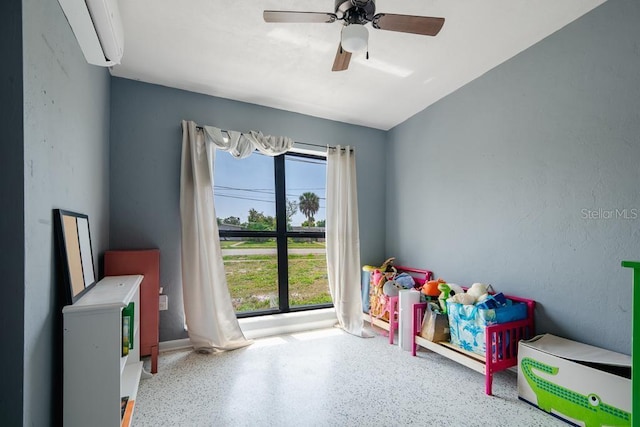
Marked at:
<point>326,378</point>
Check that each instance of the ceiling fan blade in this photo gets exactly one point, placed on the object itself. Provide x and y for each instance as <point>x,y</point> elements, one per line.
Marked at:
<point>341,62</point>
<point>302,17</point>
<point>423,25</point>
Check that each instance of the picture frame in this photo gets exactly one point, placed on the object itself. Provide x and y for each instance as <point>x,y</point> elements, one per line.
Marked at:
<point>73,238</point>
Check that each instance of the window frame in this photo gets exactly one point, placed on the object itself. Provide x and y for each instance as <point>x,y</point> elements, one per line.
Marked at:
<point>281,234</point>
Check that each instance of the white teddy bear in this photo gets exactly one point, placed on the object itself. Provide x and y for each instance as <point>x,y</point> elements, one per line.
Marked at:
<point>478,292</point>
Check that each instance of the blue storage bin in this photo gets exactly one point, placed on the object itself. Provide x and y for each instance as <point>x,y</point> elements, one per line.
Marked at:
<point>467,323</point>
<point>364,288</point>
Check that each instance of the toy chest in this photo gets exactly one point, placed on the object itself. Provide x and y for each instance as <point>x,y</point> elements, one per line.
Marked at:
<point>578,383</point>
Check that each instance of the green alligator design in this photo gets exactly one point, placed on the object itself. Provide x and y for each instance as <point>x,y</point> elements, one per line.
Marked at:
<point>588,409</point>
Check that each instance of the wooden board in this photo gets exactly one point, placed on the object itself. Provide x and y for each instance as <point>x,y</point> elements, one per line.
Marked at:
<point>380,323</point>
<point>463,351</point>
<point>468,359</point>
<point>128,414</point>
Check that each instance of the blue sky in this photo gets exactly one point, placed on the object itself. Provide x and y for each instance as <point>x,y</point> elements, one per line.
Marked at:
<point>242,184</point>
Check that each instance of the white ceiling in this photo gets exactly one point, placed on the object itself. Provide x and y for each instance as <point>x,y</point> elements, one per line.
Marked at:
<point>224,48</point>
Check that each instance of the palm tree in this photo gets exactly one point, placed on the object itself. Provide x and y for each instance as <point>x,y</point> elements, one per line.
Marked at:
<point>309,204</point>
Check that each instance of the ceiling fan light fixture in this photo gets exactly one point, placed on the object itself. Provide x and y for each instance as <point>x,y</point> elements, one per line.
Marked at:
<point>355,38</point>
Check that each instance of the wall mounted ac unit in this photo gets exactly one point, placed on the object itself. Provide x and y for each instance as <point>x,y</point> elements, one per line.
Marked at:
<point>98,29</point>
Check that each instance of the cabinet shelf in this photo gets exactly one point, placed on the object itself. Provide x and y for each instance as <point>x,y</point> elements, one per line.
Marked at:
<point>123,363</point>
<point>130,380</point>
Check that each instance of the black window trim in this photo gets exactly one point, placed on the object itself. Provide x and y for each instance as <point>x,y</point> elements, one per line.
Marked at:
<point>281,234</point>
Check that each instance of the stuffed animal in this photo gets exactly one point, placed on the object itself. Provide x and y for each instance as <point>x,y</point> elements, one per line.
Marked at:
<point>479,292</point>
<point>380,275</point>
<point>447,290</point>
<point>405,280</point>
<point>456,289</point>
<point>444,294</point>
<point>387,265</point>
<point>391,288</point>
<point>463,298</point>
<point>431,287</point>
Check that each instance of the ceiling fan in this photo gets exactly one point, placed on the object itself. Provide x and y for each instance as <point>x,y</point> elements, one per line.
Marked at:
<point>355,14</point>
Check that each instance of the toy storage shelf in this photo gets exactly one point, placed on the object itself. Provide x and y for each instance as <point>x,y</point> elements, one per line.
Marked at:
<point>501,342</point>
<point>420,276</point>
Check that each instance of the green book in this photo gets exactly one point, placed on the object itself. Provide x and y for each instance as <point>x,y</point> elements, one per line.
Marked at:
<point>129,311</point>
<point>125,335</point>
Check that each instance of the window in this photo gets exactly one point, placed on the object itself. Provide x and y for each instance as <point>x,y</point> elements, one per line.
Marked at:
<point>271,216</point>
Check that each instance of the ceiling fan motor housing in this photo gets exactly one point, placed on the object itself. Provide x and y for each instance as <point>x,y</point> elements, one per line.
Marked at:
<point>355,11</point>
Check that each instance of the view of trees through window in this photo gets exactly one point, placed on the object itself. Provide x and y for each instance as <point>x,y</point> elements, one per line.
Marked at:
<point>271,217</point>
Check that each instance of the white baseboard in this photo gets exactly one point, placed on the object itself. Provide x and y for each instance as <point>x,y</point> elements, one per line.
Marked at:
<point>275,324</point>
<point>174,345</point>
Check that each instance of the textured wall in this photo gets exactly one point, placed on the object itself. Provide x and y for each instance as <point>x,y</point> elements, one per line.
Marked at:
<point>12,218</point>
<point>145,171</point>
<point>66,161</point>
<point>503,181</point>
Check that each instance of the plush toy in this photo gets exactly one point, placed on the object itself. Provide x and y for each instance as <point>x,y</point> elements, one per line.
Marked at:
<point>405,280</point>
<point>463,298</point>
<point>376,272</point>
<point>444,294</point>
<point>447,290</point>
<point>430,287</point>
<point>456,289</point>
<point>387,265</point>
<point>479,292</point>
<point>391,288</point>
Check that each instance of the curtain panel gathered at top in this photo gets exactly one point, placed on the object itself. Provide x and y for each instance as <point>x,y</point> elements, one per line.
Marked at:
<point>241,145</point>
<point>343,239</point>
<point>211,319</point>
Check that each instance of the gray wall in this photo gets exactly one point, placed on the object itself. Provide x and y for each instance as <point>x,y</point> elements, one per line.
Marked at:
<point>66,158</point>
<point>145,170</point>
<point>490,183</point>
<point>12,218</point>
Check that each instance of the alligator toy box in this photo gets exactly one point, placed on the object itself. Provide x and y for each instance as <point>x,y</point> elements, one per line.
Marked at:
<point>584,385</point>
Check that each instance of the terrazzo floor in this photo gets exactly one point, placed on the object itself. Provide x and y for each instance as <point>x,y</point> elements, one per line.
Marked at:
<point>326,378</point>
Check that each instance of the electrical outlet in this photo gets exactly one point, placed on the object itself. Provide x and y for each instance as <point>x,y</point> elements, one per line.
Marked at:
<point>164,302</point>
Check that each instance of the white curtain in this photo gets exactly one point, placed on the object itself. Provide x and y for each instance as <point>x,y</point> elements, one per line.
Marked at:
<point>343,239</point>
<point>211,319</point>
<point>241,145</point>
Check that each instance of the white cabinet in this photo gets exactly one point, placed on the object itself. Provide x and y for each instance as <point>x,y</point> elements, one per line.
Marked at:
<point>96,375</point>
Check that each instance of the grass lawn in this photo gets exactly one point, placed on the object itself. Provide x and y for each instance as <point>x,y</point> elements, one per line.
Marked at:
<point>269,243</point>
<point>253,281</point>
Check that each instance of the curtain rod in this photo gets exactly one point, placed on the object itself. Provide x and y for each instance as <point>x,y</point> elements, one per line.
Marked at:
<point>329,147</point>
